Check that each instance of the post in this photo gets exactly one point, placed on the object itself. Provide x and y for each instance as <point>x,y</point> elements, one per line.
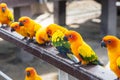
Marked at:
<point>16,13</point>
<point>62,75</point>
<point>60,12</point>
<point>65,76</point>
<point>108,17</point>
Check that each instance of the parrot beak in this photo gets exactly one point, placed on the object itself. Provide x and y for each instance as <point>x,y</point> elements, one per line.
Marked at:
<point>28,73</point>
<point>49,36</point>
<point>21,24</point>
<point>3,9</point>
<point>12,29</point>
<point>65,38</point>
<point>103,44</point>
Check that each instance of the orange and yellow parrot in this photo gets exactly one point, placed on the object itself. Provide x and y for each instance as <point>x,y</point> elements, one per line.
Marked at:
<point>81,49</point>
<point>20,30</point>
<point>30,25</point>
<point>41,36</point>
<point>6,15</point>
<point>31,74</point>
<point>112,44</point>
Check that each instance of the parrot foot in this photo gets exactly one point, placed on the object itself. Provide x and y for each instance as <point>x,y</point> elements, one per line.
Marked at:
<point>29,41</point>
<point>77,64</point>
<point>117,78</point>
<point>25,38</point>
<point>48,43</point>
<point>3,26</point>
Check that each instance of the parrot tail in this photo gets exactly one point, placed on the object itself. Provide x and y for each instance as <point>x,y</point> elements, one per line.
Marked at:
<point>97,62</point>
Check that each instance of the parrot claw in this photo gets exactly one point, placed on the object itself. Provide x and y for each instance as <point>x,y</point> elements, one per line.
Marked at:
<point>25,38</point>
<point>77,64</point>
<point>29,41</point>
<point>3,26</point>
<point>48,43</point>
<point>117,79</point>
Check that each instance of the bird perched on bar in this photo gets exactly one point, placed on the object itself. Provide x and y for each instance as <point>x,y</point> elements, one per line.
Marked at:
<point>63,46</point>
<point>6,15</point>
<point>81,49</point>
<point>55,33</point>
<point>42,37</point>
<point>20,30</point>
<point>112,43</point>
<point>31,74</point>
<point>31,26</point>
<point>50,29</point>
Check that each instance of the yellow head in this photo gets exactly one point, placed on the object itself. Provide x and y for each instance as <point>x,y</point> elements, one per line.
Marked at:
<point>73,36</point>
<point>15,26</point>
<point>24,20</point>
<point>41,36</point>
<point>110,42</point>
<point>30,72</point>
<point>3,7</point>
<point>53,28</point>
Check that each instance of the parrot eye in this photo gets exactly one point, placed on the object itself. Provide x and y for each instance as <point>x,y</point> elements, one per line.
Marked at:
<point>70,36</point>
<point>49,32</point>
<point>109,41</point>
<point>24,21</point>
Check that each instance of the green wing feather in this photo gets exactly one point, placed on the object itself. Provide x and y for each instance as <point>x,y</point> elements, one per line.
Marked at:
<point>11,17</point>
<point>87,53</point>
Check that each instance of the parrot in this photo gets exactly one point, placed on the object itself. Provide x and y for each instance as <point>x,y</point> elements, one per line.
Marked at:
<point>41,36</point>
<point>31,74</point>
<point>112,43</point>
<point>63,46</point>
<point>81,49</point>
<point>6,15</point>
<point>31,26</point>
<point>20,30</point>
<point>50,29</point>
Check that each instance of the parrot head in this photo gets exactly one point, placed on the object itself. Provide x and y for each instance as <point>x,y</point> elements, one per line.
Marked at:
<point>30,71</point>
<point>24,20</point>
<point>43,36</point>
<point>14,26</point>
<point>51,29</point>
<point>109,41</point>
<point>72,36</point>
<point>3,7</point>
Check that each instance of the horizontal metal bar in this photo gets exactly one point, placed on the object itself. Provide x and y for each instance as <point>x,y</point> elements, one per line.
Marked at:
<point>5,76</point>
<point>49,54</point>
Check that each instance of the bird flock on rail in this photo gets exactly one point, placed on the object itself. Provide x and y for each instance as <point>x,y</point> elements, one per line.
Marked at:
<point>69,43</point>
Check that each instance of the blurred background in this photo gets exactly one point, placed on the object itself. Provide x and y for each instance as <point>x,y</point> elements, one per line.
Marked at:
<point>83,16</point>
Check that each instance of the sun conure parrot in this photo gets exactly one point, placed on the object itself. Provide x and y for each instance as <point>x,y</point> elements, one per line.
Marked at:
<point>81,49</point>
<point>6,15</point>
<point>112,43</point>
<point>31,74</point>
<point>30,25</point>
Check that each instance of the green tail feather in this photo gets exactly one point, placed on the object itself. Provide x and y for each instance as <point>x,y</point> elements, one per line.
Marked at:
<point>97,62</point>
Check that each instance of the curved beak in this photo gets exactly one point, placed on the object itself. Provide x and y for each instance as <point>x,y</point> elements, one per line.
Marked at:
<point>48,35</point>
<point>103,44</point>
<point>12,29</point>
<point>65,38</point>
<point>21,24</point>
<point>28,73</point>
<point>3,9</point>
